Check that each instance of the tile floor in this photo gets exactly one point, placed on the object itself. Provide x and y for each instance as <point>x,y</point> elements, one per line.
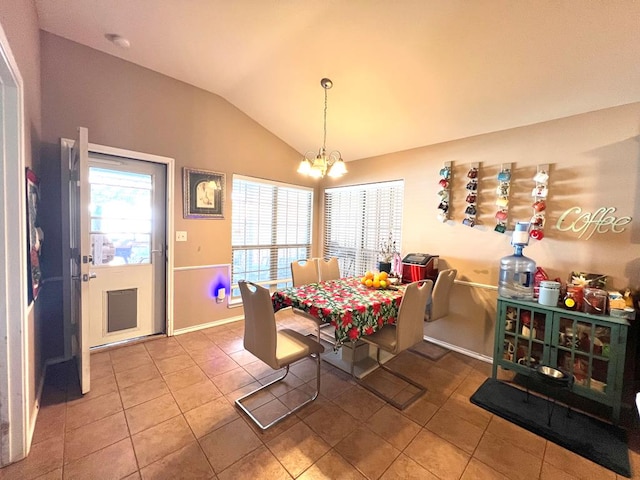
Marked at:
<point>163,409</point>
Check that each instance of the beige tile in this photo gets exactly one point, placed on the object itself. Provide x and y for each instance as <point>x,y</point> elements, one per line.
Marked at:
<point>242,357</point>
<point>232,380</point>
<point>188,462</point>
<point>440,457</point>
<point>205,354</point>
<point>218,365</point>
<point>184,378</point>
<point>304,369</point>
<point>298,448</point>
<point>261,371</point>
<point>231,345</point>
<point>404,468</point>
<point>194,341</point>
<point>44,457</point>
<point>461,433</point>
<point>133,476</point>
<point>508,459</point>
<point>164,348</point>
<point>111,463</point>
<point>257,464</point>
<point>195,395</point>
<point>153,412</point>
<point>476,470</point>
<point>52,475</point>
<point>100,370</point>
<point>135,359</point>
<point>527,441</point>
<point>394,427</point>
<point>357,449</point>
<point>50,423</point>
<point>331,466</point>
<point>94,436</point>
<point>143,392</point>
<point>471,383</point>
<point>161,440</point>
<point>137,375</point>
<point>228,444</point>
<point>86,412</point>
<point>550,472</point>
<point>174,364</point>
<point>210,416</point>
<point>128,351</point>
<point>420,411</point>
<point>270,412</point>
<point>460,405</point>
<point>575,464</point>
<point>359,403</point>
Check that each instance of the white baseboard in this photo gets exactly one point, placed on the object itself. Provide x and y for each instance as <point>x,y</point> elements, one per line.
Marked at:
<point>463,351</point>
<point>202,326</point>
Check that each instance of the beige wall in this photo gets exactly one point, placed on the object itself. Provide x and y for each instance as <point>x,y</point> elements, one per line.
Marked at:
<point>130,107</point>
<point>594,163</point>
<point>20,24</point>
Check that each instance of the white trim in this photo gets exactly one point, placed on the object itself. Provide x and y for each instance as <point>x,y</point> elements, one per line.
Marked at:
<point>14,333</point>
<point>483,286</point>
<point>463,351</point>
<point>202,326</point>
<point>200,267</point>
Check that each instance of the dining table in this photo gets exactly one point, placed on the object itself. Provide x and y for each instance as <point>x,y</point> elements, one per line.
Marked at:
<point>351,307</point>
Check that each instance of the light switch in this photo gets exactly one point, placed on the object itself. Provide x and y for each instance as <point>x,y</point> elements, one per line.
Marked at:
<point>181,236</point>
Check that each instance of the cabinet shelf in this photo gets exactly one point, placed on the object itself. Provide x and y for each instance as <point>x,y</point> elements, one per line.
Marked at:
<point>571,341</point>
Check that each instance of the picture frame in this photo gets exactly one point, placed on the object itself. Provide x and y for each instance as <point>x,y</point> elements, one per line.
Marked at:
<point>203,193</point>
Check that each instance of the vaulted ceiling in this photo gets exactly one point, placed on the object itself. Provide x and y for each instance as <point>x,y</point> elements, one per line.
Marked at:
<point>406,73</point>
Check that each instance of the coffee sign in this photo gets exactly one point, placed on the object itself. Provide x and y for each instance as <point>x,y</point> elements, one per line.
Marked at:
<point>602,220</point>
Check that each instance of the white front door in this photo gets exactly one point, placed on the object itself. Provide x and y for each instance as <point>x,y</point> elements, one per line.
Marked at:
<point>127,213</point>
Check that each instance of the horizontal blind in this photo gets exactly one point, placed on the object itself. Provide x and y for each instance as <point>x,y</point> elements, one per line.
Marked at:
<point>271,227</point>
<point>358,220</point>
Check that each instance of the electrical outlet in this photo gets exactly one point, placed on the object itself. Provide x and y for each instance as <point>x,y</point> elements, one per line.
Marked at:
<point>181,236</point>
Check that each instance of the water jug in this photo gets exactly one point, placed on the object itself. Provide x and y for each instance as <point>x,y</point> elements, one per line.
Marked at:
<point>516,276</point>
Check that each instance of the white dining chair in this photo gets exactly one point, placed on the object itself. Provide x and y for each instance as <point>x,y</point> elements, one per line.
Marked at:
<point>405,333</point>
<point>277,348</point>
<point>304,272</point>
<point>328,269</point>
<point>438,307</point>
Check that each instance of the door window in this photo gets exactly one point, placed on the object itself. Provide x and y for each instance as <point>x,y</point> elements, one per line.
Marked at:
<point>120,217</point>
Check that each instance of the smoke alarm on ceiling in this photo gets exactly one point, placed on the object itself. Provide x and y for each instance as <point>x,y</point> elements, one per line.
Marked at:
<point>118,40</point>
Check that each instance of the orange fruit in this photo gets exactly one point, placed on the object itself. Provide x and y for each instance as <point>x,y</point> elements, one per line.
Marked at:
<point>369,275</point>
<point>363,280</point>
<point>368,282</point>
<point>383,284</point>
<point>383,275</point>
<point>376,277</point>
<point>376,284</point>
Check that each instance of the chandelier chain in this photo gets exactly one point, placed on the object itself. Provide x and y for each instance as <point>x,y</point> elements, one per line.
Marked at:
<point>324,141</point>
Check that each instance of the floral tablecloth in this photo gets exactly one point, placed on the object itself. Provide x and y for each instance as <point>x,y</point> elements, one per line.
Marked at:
<point>353,309</point>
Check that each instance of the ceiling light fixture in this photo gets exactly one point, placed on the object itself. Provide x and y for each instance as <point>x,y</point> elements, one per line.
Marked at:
<point>322,164</point>
<point>118,40</point>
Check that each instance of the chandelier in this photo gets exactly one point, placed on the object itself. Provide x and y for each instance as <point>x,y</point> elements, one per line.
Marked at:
<point>322,164</point>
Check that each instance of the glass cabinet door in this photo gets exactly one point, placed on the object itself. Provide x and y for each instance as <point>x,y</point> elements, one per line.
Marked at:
<point>583,350</point>
<point>524,335</point>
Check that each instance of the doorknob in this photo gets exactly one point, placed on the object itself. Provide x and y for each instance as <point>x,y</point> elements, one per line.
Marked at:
<point>86,278</point>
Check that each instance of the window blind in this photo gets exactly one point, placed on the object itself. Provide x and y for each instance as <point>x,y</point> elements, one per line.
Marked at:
<point>358,220</point>
<point>271,227</point>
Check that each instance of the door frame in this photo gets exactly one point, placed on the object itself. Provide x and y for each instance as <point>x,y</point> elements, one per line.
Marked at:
<point>67,145</point>
<point>14,324</point>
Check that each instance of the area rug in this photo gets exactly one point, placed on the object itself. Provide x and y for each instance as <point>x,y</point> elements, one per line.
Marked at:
<point>430,350</point>
<point>600,442</point>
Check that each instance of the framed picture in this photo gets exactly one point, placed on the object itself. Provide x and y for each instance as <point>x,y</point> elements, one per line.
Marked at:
<point>203,193</point>
<point>34,234</point>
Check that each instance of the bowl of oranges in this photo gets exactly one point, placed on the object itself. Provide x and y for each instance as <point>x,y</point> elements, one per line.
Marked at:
<point>379,281</point>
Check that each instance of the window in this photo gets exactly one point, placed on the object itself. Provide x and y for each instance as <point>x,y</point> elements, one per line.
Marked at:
<point>357,220</point>
<point>271,227</point>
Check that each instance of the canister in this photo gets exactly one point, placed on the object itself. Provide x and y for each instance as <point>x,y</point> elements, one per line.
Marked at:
<point>549,293</point>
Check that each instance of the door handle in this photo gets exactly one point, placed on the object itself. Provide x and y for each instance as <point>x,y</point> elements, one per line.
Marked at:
<point>86,278</point>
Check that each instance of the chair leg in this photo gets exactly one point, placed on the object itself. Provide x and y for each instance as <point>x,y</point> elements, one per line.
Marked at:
<point>400,406</point>
<point>290,412</point>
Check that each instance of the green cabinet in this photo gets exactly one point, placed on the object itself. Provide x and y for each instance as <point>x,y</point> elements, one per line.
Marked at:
<point>591,347</point>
